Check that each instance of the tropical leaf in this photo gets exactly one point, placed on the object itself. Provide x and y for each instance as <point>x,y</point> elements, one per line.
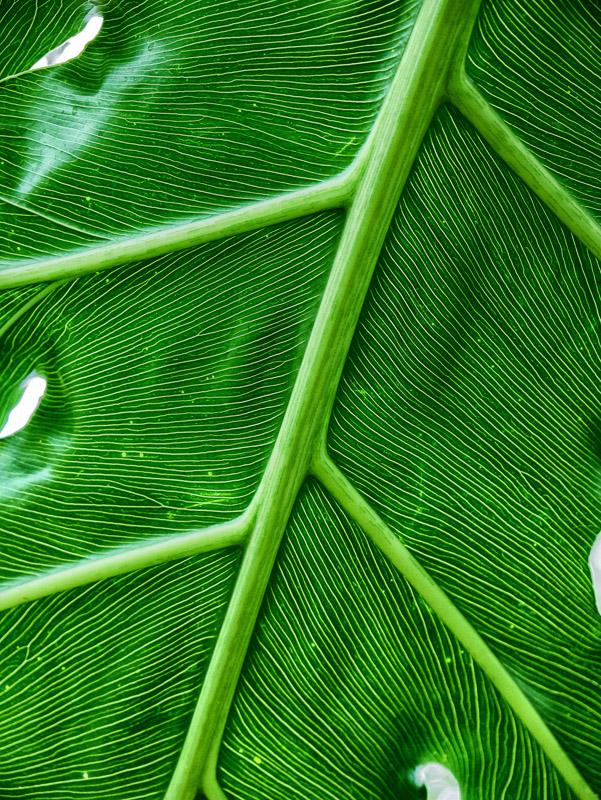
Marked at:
<point>300,312</point>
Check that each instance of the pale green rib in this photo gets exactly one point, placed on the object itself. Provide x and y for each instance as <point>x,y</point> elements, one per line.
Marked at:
<point>209,782</point>
<point>127,559</point>
<point>333,193</point>
<point>472,104</point>
<point>364,515</point>
<point>211,788</point>
<point>412,100</point>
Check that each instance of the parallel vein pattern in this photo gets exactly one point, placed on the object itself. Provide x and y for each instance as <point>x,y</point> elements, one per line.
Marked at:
<point>13,299</point>
<point>538,64</point>
<point>167,382</point>
<point>124,659</point>
<point>177,111</point>
<point>469,415</point>
<point>38,26</point>
<point>468,412</point>
<point>352,682</point>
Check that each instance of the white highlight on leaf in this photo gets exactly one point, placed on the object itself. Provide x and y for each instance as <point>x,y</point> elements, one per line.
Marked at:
<point>74,44</point>
<point>34,388</point>
<point>594,562</point>
<point>438,780</point>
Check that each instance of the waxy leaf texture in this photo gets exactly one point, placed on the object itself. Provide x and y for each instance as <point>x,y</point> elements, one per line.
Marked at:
<point>300,399</point>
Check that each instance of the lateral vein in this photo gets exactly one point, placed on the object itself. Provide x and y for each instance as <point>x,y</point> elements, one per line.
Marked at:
<point>127,559</point>
<point>332,193</point>
<point>355,505</point>
<point>464,95</point>
<point>413,98</point>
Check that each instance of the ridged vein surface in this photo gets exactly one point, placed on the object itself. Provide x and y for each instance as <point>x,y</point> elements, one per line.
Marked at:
<point>37,26</point>
<point>178,111</point>
<point>167,382</point>
<point>538,63</point>
<point>469,414</point>
<point>98,684</point>
<point>352,682</point>
<point>11,300</point>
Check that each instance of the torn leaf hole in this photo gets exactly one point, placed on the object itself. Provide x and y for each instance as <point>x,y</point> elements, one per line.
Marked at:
<point>33,389</point>
<point>74,45</point>
<point>439,781</point>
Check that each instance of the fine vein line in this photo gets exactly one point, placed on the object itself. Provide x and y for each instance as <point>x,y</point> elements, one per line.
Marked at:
<point>332,193</point>
<point>471,103</point>
<point>25,307</point>
<point>127,559</point>
<point>413,98</point>
<point>355,505</point>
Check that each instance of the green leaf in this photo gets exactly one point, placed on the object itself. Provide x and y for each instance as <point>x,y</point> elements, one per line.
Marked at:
<point>303,506</point>
<point>166,386</point>
<point>124,659</point>
<point>485,341</point>
<point>366,686</point>
<point>536,64</point>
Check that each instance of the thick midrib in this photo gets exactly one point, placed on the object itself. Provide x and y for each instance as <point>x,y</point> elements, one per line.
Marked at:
<point>272,503</point>
<point>413,98</point>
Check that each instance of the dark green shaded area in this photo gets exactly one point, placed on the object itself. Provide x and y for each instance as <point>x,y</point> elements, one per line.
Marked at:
<point>99,683</point>
<point>167,383</point>
<point>351,683</point>
<point>538,64</point>
<point>173,113</point>
<point>469,414</point>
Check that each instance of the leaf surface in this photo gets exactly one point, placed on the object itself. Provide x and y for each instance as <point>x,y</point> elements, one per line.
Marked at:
<point>485,341</point>
<point>538,65</point>
<point>306,506</point>
<point>352,681</point>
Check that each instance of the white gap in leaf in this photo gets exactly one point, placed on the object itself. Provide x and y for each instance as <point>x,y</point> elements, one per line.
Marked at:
<point>439,781</point>
<point>33,389</point>
<point>74,44</point>
<point>594,562</point>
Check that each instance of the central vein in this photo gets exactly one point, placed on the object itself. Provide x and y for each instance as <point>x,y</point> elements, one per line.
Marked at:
<point>415,94</point>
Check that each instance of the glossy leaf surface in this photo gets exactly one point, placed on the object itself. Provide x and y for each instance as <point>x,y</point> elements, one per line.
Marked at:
<point>167,382</point>
<point>300,312</point>
<point>538,65</point>
<point>486,343</point>
<point>174,113</point>
<point>346,704</point>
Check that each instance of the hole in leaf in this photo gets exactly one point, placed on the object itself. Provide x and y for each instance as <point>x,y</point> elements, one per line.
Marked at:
<point>74,45</point>
<point>595,565</point>
<point>439,781</point>
<point>33,389</point>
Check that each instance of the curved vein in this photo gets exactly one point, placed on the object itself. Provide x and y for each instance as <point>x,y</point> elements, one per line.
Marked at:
<point>407,111</point>
<point>364,515</point>
<point>24,308</point>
